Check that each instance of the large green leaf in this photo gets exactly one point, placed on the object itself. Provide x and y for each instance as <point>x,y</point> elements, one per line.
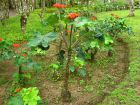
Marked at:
<point>35,41</point>
<point>108,39</point>
<point>49,38</point>
<point>72,69</point>
<point>52,19</point>
<point>16,100</point>
<point>82,72</point>
<point>81,21</point>
<point>43,40</point>
<point>94,44</point>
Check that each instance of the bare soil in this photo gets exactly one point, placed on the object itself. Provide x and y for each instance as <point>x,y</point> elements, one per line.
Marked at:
<point>108,74</point>
<point>104,75</point>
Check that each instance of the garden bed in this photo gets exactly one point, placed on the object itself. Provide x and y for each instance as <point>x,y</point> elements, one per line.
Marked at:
<point>105,75</point>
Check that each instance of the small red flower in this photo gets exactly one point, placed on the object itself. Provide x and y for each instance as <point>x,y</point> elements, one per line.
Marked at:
<point>117,17</point>
<point>57,5</point>
<point>68,31</point>
<point>24,55</point>
<point>94,18</point>
<point>112,14</point>
<point>16,45</point>
<point>18,90</point>
<point>1,39</point>
<point>73,16</point>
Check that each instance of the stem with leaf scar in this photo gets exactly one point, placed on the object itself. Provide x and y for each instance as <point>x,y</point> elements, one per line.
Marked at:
<point>66,95</point>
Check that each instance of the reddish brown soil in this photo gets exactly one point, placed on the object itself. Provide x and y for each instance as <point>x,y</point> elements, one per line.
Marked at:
<point>2,93</point>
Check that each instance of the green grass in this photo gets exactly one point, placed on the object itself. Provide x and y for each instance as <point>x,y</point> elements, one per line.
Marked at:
<point>12,31</point>
<point>126,92</point>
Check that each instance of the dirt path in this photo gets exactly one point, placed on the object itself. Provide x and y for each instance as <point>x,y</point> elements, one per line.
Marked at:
<point>12,13</point>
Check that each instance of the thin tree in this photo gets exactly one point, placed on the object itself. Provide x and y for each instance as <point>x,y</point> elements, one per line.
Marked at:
<point>4,10</point>
<point>131,6</point>
<point>24,7</point>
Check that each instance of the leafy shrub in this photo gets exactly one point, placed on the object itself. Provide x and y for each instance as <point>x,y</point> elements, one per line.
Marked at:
<point>25,96</point>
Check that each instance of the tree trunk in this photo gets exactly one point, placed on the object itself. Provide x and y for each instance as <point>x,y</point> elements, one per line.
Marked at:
<point>43,3</point>
<point>12,4</point>
<point>36,4</point>
<point>131,6</point>
<point>23,22</point>
<point>4,10</point>
<point>24,7</point>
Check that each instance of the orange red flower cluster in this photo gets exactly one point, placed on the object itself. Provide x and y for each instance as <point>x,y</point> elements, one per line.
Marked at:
<point>94,18</point>
<point>1,39</point>
<point>57,5</point>
<point>73,16</point>
<point>115,16</point>
<point>24,55</point>
<point>16,45</point>
<point>18,90</point>
<point>68,31</point>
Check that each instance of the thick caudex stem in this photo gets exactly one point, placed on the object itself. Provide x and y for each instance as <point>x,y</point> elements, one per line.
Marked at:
<point>66,95</point>
<point>110,53</point>
<point>20,78</point>
<point>93,54</point>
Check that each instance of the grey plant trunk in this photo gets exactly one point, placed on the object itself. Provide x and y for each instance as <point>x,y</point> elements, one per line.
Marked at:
<point>131,6</point>
<point>4,10</point>
<point>23,22</point>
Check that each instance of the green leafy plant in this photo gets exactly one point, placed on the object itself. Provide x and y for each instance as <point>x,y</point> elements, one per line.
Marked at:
<point>114,26</point>
<point>17,100</point>
<point>25,96</point>
<point>5,49</point>
<point>56,70</point>
<point>30,96</point>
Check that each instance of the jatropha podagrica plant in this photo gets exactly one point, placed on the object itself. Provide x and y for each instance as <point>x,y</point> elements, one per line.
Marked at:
<point>115,26</point>
<point>25,65</point>
<point>23,61</point>
<point>65,34</point>
<point>6,51</point>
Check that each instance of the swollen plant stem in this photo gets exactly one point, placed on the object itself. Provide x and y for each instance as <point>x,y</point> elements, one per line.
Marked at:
<point>65,40</point>
<point>20,75</point>
<point>68,61</point>
<point>93,54</point>
<point>66,95</point>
